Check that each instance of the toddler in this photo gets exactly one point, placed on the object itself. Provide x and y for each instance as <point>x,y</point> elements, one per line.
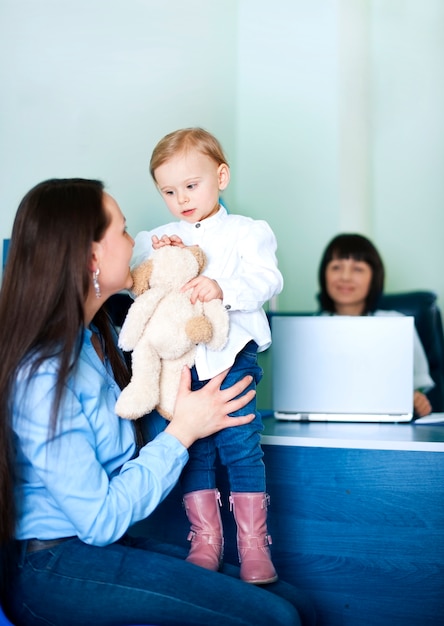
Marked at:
<point>190,170</point>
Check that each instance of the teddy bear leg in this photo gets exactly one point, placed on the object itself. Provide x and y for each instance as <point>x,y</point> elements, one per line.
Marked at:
<point>141,395</point>
<point>171,371</point>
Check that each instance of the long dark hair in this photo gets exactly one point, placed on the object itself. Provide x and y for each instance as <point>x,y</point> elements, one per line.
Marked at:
<point>359,248</point>
<point>45,284</point>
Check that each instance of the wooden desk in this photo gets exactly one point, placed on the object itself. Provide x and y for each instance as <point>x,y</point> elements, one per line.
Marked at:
<point>357,519</point>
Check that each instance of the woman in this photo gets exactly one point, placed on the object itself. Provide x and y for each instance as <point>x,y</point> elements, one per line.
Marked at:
<point>72,480</point>
<point>351,278</point>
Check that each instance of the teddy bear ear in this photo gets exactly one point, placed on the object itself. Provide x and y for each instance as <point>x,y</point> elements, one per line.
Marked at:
<point>141,277</point>
<point>200,257</point>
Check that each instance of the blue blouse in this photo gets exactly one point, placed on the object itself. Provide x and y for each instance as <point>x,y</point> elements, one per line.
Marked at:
<point>85,480</point>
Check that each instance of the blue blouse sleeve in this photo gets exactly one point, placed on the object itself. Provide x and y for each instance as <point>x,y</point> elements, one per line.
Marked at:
<point>84,481</point>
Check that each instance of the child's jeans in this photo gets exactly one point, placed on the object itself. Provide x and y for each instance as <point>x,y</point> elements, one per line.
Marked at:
<point>239,448</point>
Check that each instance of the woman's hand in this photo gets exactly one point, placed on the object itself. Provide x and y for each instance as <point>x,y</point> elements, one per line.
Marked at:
<point>204,412</point>
<point>421,404</point>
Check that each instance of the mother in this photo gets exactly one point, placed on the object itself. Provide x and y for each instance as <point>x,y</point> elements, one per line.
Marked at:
<point>72,477</point>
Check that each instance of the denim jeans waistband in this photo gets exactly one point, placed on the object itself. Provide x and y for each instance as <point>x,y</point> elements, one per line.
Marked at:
<point>35,545</point>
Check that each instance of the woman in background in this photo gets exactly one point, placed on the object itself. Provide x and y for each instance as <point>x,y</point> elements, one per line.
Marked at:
<point>351,280</point>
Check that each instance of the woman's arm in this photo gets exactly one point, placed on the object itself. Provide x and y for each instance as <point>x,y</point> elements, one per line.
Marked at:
<point>202,413</point>
<point>84,481</point>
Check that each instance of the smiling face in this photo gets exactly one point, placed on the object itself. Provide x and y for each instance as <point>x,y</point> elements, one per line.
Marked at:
<point>190,183</point>
<point>348,284</point>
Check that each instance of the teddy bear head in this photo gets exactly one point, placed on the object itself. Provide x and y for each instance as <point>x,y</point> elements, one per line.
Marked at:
<point>170,267</point>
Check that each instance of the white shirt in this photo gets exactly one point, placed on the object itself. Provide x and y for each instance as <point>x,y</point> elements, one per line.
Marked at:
<point>241,255</point>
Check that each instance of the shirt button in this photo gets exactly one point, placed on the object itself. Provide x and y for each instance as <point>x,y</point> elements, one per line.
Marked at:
<point>197,225</point>
<point>228,307</point>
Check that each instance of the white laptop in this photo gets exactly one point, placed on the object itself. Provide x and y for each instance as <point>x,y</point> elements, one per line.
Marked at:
<point>342,368</point>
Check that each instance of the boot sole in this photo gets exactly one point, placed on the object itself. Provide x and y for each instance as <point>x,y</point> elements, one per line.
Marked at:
<point>267,581</point>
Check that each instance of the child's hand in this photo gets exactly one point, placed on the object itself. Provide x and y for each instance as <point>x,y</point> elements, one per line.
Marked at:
<point>167,240</point>
<point>421,404</point>
<point>204,289</point>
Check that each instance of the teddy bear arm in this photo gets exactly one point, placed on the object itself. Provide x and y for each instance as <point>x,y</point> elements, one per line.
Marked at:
<point>137,318</point>
<point>219,319</point>
<point>199,329</point>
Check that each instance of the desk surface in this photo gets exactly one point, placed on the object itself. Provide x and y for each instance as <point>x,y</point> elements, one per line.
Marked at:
<point>409,437</point>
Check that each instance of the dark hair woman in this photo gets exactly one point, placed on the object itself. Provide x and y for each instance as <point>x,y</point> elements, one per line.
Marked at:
<point>351,279</point>
<point>72,479</point>
<point>361,254</point>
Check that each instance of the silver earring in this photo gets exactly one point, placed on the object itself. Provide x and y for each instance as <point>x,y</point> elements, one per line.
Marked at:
<point>96,284</point>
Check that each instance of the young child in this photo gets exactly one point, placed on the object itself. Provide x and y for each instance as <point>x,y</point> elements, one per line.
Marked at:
<point>190,170</point>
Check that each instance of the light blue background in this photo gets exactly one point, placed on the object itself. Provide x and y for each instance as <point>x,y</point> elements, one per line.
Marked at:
<point>330,111</point>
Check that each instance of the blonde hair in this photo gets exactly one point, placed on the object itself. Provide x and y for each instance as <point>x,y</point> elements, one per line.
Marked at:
<point>185,139</point>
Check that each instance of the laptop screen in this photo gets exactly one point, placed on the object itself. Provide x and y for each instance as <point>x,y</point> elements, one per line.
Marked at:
<point>341,366</point>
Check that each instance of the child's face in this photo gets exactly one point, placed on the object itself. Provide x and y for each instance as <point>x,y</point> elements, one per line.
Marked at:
<point>190,183</point>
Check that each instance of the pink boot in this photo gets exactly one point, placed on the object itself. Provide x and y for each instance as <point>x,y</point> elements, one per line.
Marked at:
<point>206,534</point>
<point>250,513</point>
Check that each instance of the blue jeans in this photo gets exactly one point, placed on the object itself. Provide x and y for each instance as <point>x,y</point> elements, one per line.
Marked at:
<point>136,581</point>
<point>239,448</point>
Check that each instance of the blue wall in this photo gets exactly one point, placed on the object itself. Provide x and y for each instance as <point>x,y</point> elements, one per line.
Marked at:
<point>330,113</point>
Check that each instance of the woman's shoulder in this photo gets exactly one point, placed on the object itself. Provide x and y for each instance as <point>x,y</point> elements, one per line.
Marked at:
<point>382,313</point>
<point>31,366</point>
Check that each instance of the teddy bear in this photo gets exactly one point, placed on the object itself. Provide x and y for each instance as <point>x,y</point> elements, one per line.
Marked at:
<point>162,329</point>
